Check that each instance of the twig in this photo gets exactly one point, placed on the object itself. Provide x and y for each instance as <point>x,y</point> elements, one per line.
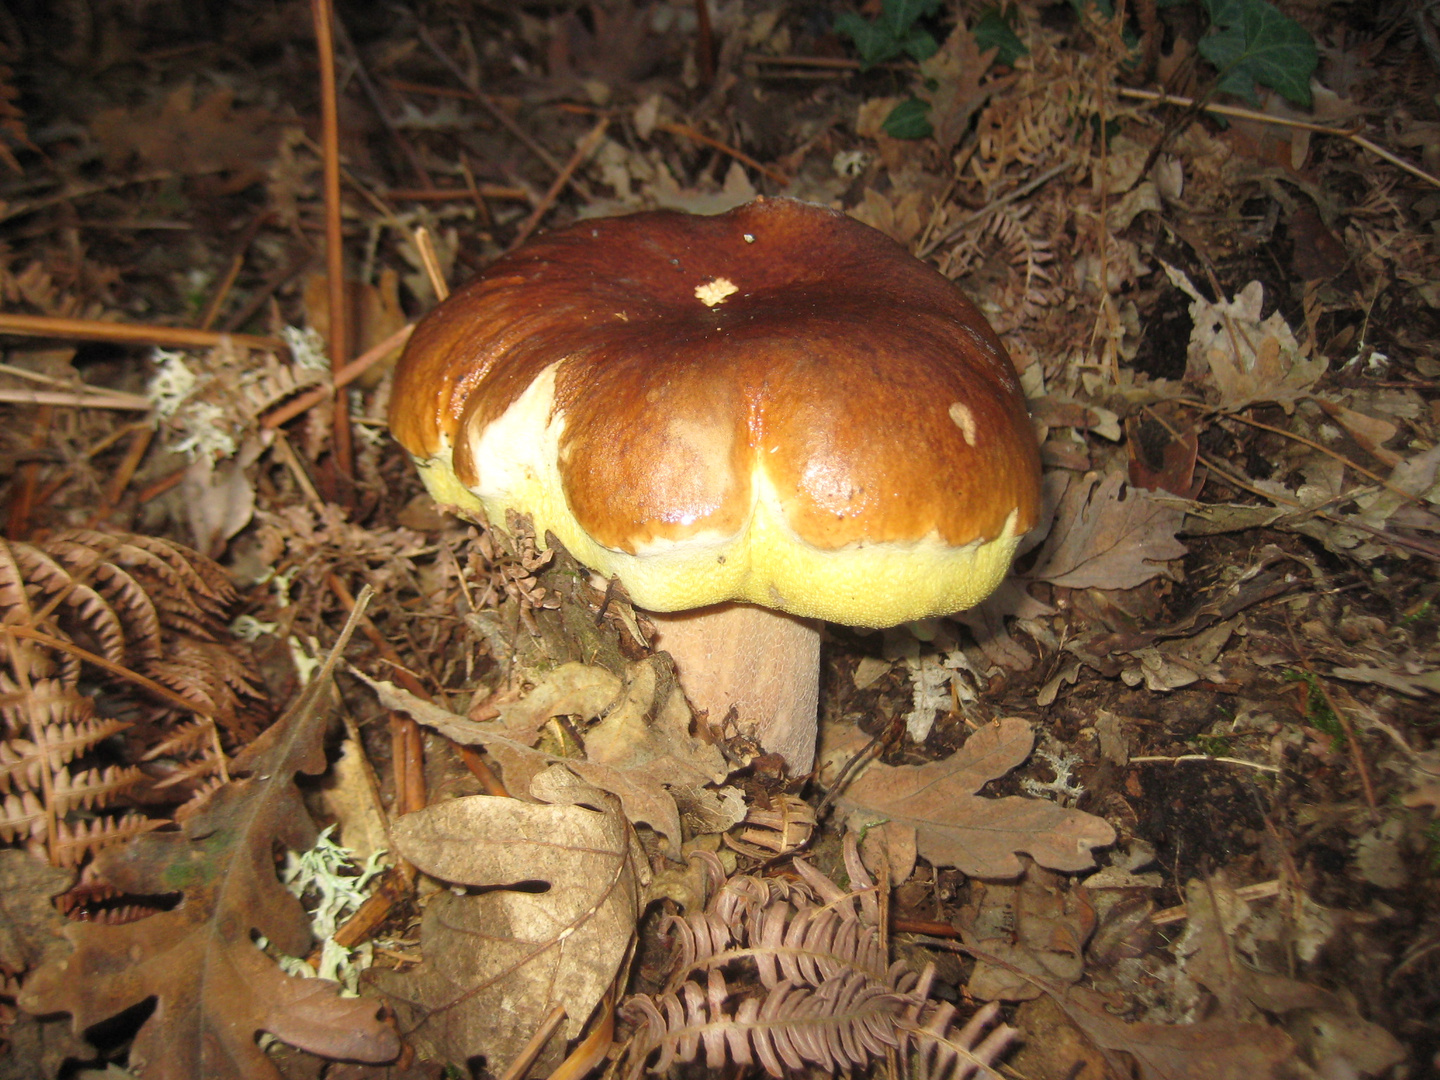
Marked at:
<point>140,438</point>
<point>687,132</point>
<point>431,262</point>
<point>531,1050</point>
<point>1236,111</point>
<point>159,690</point>
<point>90,398</point>
<point>1430,551</point>
<point>346,375</point>
<point>176,337</point>
<point>372,94</point>
<point>583,149</point>
<point>440,194</point>
<point>830,63</point>
<point>334,234</point>
<point>501,116</point>
<point>1261,890</point>
<point>1205,757</point>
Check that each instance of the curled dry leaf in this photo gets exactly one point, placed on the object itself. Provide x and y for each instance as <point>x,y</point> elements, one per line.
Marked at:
<point>641,751</point>
<point>1247,359</point>
<point>496,963</point>
<point>956,827</point>
<point>1108,537</point>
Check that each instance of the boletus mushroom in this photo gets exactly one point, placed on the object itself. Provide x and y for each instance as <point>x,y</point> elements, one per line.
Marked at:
<point>754,421</point>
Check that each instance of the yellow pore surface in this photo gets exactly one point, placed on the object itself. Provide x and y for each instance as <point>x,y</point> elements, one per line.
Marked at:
<point>764,562</point>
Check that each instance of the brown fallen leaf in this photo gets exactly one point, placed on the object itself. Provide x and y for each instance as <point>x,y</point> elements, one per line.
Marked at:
<point>956,827</point>
<point>1210,1050</point>
<point>189,133</point>
<point>953,86</point>
<point>1338,1039</point>
<point>1108,537</point>
<point>646,757</point>
<point>1038,924</point>
<point>1248,360</point>
<point>496,963</point>
<point>214,989</point>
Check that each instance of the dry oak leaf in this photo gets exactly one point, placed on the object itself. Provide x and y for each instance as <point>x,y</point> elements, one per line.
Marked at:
<point>189,133</point>
<point>1247,359</point>
<point>214,990</point>
<point>496,963</point>
<point>1211,1050</point>
<point>981,837</point>
<point>1108,536</point>
<point>640,752</point>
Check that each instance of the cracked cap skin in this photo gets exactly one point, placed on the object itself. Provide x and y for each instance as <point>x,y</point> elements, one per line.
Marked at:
<point>776,405</point>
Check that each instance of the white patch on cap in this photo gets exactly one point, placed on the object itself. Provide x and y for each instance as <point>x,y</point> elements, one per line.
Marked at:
<point>715,291</point>
<point>964,420</point>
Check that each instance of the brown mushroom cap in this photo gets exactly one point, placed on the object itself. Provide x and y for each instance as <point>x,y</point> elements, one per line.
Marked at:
<point>776,405</point>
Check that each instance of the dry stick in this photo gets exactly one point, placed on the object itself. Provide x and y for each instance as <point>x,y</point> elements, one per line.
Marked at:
<point>1430,551</point>
<point>1205,757</point>
<point>409,775</point>
<point>531,1050</point>
<point>372,94</point>
<point>492,783</point>
<point>1261,890</point>
<point>156,488</point>
<point>704,44</point>
<point>431,262</point>
<point>1212,410</point>
<point>1355,137</point>
<point>583,150</point>
<point>111,666</point>
<point>261,296</point>
<point>687,132</point>
<point>23,501</point>
<point>484,191</point>
<point>334,236</point>
<point>828,63</point>
<point>593,1048</point>
<point>237,263</point>
<point>91,398</point>
<point>344,377</point>
<point>501,116</point>
<point>1357,756</point>
<point>178,337</point>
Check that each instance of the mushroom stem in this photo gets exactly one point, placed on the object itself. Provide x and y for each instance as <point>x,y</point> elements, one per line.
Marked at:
<point>764,664</point>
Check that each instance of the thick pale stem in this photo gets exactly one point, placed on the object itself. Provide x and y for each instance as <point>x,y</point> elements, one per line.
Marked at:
<point>763,664</point>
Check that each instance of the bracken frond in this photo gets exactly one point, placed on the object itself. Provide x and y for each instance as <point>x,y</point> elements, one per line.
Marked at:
<point>22,760</point>
<point>817,991</point>
<point>141,603</point>
<point>73,842</point>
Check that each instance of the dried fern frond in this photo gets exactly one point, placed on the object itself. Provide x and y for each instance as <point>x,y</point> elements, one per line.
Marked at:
<point>73,842</point>
<point>140,603</point>
<point>22,761</point>
<point>826,995</point>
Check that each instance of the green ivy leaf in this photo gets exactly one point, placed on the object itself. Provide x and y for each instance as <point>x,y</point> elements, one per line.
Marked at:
<point>920,45</point>
<point>1254,43</point>
<point>993,32</point>
<point>909,120</point>
<point>874,43</point>
<point>893,33</point>
<point>900,15</point>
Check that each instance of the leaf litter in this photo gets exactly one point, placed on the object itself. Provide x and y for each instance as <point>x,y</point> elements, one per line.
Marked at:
<point>1244,494</point>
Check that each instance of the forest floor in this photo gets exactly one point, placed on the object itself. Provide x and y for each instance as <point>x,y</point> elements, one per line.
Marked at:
<point>1170,799</point>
